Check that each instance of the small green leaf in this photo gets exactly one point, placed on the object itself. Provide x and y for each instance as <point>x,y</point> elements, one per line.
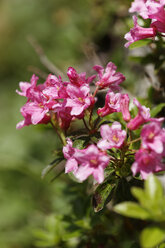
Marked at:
<point>132,209</point>
<point>140,196</point>
<point>153,188</point>
<point>151,236</point>
<point>50,167</point>
<point>157,109</point>
<point>78,143</point>
<point>73,178</point>
<point>140,43</point>
<point>103,191</point>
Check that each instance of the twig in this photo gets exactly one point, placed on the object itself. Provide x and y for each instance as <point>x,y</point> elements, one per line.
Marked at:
<point>43,58</point>
<point>85,124</point>
<point>37,71</point>
<point>90,53</point>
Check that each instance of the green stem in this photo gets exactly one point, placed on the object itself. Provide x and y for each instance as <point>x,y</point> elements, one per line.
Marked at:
<point>85,124</point>
<point>60,133</point>
<point>133,141</point>
<point>90,117</point>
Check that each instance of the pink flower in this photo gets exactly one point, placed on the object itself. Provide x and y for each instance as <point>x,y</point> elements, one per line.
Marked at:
<point>139,33</point>
<point>34,113</point>
<point>142,117</point>
<point>31,90</point>
<point>158,20</point>
<point>113,137</point>
<point>139,6</point>
<point>91,162</point>
<point>78,79</point>
<point>54,88</point>
<point>64,118</point>
<point>146,8</point>
<point>78,99</point>
<point>112,104</point>
<point>110,78</point>
<point>146,162</point>
<point>63,114</point>
<point>124,106</point>
<point>69,151</point>
<point>153,137</point>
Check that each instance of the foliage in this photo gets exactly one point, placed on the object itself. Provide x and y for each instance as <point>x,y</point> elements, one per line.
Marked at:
<point>151,206</point>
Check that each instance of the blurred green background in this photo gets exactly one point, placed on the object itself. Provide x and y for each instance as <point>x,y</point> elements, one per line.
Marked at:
<point>69,32</point>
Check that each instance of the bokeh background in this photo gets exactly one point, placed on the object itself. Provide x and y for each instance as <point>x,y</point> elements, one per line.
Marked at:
<point>77,33</point>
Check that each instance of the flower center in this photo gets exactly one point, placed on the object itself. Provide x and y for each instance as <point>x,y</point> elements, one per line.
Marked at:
<point>111,102</point>
<point>146,161</point>
<point>151,135</point>
<point>115,139</point>
<point>41,105</point>
<point>93,161</point>
<point>81,99</point>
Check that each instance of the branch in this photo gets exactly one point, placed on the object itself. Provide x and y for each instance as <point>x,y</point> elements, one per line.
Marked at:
<point>44,60</point>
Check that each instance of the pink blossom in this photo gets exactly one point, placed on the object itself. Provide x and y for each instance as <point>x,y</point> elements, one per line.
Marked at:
<point>142,117</point>
<point>24,86</point>
<point>124,106</point>
<point>78,99</point>
<point>91,162</point>
<point>153,137</point>
<point>69,151</point>
<point>78,79</point>
<point>64,118</point>
<point>63,114</point>
<point>159,20</point>
<point>110,78</point>
<point>113,137</point>
<point>139,33</point>
<point>34,113</point>
<point>54,88</point>
<point>112,104</point>
<point>154,7</point>
<point>146,8</point>
<point>31,90</point>
<point>139,6</point>
<point>146,162</point>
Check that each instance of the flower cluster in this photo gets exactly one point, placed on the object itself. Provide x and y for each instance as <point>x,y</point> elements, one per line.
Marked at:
<point>56,99</point>
<point>108,145</point>
<point>63,101</point>
<point>147,9</point>
<point>150,156</point>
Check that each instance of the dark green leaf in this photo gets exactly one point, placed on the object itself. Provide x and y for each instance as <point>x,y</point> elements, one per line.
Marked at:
<point>157,109</point>
<point>78,143</point>
<point>103,191</point>
<point>50,167</point>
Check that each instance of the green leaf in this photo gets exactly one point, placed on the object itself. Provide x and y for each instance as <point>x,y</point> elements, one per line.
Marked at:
<point>157,109</point>
<point>73,178</point>
<point>50,167</point>
<point>153,188</point>
<point>162,245</point>
<point>140,196</point>
<point>140,43</point>
<point>102,193</point>
<point>151,236</point>
<point>78,143</point>
<point>132,209</point>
